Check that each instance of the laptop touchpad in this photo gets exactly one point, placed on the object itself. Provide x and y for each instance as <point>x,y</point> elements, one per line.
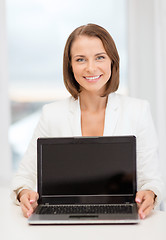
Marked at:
<point>83,216</point>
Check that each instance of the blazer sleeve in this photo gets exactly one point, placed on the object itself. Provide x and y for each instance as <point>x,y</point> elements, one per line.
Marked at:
<point>26,176</point>
<point>148,173</point>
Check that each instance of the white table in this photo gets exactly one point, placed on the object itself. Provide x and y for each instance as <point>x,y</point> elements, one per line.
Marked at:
<point>14,226</point>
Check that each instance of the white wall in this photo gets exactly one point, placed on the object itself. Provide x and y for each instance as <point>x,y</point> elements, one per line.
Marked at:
<point>5,161</point>
<point>141,54</point>
<point>147,62</point>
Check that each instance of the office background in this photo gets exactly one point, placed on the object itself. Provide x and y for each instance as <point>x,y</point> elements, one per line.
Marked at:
<point>32,38</point>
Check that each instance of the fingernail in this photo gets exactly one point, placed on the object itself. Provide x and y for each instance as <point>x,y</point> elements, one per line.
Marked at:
<point>143,216</point>
<point>32,201</point>
<point>138,200</point>
<point>28,214</point>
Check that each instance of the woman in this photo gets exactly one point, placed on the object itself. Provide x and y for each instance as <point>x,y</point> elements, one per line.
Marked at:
<point>91,75</point>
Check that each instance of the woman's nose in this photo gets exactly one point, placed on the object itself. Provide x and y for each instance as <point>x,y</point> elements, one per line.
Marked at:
<point>91,66</point>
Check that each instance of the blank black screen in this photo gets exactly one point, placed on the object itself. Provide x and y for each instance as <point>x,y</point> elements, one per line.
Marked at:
<point>87,169</point>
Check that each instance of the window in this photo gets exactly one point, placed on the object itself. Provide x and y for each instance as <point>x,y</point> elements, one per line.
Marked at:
<point>37,32</point>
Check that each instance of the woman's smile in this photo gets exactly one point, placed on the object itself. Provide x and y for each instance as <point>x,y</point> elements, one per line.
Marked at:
<point>92,79</point>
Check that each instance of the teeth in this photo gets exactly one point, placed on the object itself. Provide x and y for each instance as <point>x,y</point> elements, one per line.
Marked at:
<point>92,78</point>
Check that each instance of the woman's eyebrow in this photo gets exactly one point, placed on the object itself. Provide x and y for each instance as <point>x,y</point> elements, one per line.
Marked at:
<point>78,56</point>
<point>85,56</point>
<point>100,53</point>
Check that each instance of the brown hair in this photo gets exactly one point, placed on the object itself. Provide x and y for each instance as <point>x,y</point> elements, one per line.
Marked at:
<point>91,30</point>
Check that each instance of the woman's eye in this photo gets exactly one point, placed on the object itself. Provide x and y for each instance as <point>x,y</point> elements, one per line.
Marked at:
<point>100,58</point>
<point>80,60</point>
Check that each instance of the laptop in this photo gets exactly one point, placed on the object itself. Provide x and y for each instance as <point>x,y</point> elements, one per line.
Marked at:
<point>86,180</point>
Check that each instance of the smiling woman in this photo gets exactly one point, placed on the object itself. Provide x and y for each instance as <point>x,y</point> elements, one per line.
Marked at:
<point>94,110</point>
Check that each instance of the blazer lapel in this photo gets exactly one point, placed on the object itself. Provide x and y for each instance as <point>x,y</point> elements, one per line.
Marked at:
<point>75,117</point>
<point>112,115</point>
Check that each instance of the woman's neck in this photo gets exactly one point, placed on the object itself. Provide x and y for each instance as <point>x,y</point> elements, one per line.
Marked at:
<point>92,102</point>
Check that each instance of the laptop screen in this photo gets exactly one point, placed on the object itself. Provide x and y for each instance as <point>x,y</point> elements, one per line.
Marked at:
<point>105,166</point>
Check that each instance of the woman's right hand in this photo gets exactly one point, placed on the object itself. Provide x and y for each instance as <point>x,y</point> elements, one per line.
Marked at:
<point>28,201</point>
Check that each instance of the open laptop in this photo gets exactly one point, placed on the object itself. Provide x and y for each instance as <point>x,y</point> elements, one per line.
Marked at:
<point>86,180</point>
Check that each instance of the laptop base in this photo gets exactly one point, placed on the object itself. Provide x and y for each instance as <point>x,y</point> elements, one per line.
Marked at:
<point>77,220</point>
<point>63,219</point>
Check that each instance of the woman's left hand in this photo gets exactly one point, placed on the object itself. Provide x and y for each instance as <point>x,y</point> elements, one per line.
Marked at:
<point>145,201</point>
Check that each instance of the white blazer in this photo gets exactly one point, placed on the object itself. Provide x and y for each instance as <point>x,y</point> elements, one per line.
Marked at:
<point>124,116</point>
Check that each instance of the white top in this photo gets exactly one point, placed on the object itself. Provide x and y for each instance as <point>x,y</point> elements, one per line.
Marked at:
<point>124,116</point>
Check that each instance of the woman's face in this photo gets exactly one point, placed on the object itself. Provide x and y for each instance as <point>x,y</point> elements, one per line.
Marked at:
<point>90,63</point>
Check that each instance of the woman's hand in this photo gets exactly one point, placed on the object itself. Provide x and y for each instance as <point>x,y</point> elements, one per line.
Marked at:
<point>145,201</point>
<point>28,201</point>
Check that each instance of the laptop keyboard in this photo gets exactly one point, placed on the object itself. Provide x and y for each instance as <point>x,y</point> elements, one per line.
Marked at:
<point>84,209</point>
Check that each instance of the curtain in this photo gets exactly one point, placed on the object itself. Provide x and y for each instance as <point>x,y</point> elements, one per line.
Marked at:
<point>147,62</point>
<point>5,160</point>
